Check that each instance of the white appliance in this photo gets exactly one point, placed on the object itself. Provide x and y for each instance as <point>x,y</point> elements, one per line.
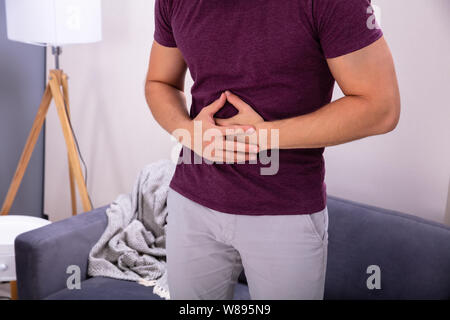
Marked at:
<point>10,227</point>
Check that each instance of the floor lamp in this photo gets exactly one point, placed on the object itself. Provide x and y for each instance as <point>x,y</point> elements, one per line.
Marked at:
<point>53,23</point>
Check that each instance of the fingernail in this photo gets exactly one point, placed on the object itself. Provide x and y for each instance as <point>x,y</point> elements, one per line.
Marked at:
<point>254,148</point>
<point>251,130</point>
<point>252,157</point>
<point>227,93</point>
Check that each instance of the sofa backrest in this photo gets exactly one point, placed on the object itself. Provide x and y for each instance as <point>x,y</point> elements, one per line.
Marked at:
<point>412,254</point>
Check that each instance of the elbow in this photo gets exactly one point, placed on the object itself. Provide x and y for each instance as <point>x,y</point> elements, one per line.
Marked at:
<point>151,89</point>
<point>152,85</point>
<point>148,88</point>
<point>390,114</point>
<point>391,118</point>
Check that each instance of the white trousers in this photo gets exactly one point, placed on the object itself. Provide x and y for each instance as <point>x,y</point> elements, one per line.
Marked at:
<point>284,256</point>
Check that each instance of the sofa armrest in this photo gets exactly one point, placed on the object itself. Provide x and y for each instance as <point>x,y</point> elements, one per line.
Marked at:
<point>43,255</point>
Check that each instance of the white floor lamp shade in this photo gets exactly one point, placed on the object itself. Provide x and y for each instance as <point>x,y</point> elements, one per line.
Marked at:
<point>54,22</point>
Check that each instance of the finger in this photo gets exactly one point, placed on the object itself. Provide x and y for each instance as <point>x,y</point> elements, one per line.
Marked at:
<point>248,139</point>
<point>236,101</point>
<point>236,146</point>
<point>236,130</point>
<point>232,157</point>
<point>225,122</point>
<point>216,105</point>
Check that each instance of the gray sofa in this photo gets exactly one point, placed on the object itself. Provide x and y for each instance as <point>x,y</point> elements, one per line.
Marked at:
<point>413,256</point>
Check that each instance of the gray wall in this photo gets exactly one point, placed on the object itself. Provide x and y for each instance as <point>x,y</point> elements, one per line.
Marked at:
<point>22,82</point>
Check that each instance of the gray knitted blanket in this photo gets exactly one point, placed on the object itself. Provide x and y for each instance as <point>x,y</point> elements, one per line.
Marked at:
<point>132,246</point>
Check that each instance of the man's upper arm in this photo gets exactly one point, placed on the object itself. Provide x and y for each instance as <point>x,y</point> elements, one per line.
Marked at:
<point>167,66</point>
<point>368,72</point>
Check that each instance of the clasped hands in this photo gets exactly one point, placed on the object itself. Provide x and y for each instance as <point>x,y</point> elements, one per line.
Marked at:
<point>232,140</point>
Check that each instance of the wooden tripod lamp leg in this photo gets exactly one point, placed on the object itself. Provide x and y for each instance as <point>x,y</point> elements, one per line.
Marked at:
<point>27,151</point>
<point>13,290</point>
<point>73,197</point>
<point>68,137</point>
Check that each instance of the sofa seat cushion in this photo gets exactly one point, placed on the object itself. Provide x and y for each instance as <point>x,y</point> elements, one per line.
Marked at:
<point>102,288</point>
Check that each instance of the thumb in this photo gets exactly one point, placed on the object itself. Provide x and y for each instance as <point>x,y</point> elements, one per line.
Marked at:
<point>216,105</point>
<point>236,101</point>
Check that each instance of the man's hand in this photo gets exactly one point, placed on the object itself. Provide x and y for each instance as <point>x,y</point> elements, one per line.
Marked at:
<point>218,142</point>
<point>246,115</point>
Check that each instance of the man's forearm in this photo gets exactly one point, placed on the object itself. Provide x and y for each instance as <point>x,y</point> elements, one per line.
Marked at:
<point>347,119</point>
<point>168,105</point>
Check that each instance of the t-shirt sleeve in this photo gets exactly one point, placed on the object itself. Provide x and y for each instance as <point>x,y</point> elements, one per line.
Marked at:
<point>163,30</point>
<point>344,26</point>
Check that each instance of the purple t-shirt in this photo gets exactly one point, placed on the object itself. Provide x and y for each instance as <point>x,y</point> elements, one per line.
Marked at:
<point>271,53</point>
